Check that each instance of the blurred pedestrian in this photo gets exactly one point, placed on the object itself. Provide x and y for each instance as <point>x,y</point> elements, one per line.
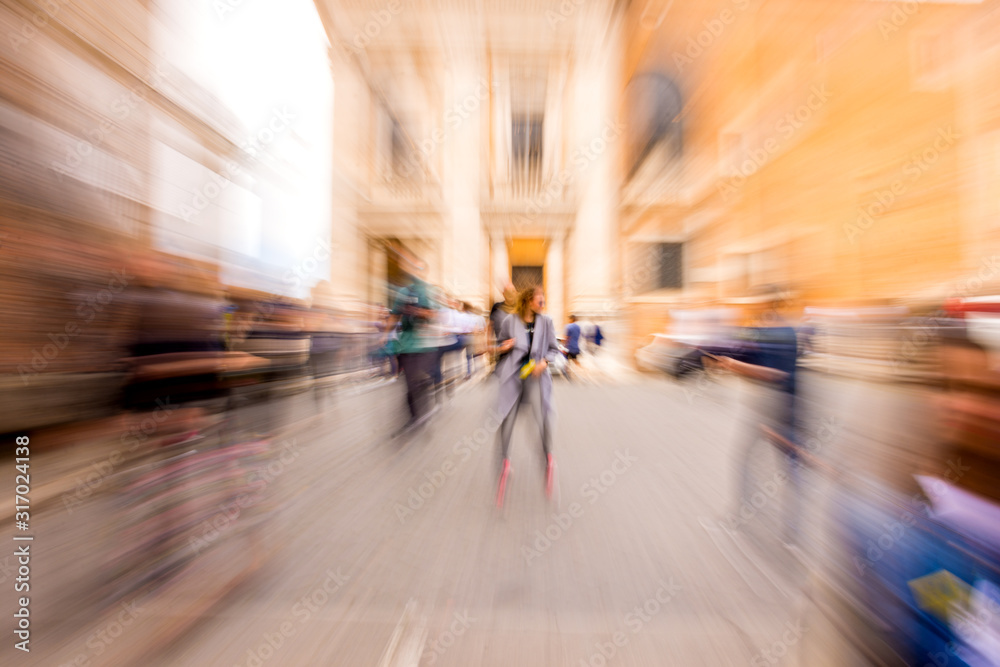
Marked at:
<point>596,338</point>
<point>472,328</point>
<point>498,313</point>
<point>940,545</point>
<point>385,354</point>
<point>573,340</point>
<point>770,355</point>
<point>529,341</point>
<point>572,345</point>
<point>450,326</point>
<point>416,345</point>
<point>971,416</point>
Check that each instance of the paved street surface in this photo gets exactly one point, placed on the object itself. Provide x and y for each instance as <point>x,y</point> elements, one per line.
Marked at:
<point>389,552</point>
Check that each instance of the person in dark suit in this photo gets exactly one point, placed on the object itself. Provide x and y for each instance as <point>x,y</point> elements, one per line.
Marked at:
<point>530,338</point>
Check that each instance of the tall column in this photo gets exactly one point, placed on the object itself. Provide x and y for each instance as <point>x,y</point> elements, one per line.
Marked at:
<point>596,140</point>
<point>347,248</point>
<point>348,244</point>
<point>377,273</point>
<point>499,262</point>
<point>465,244</point>
<point>554,280</point>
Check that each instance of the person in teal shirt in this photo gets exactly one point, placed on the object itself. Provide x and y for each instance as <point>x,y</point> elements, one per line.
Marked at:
<point>414,309</point>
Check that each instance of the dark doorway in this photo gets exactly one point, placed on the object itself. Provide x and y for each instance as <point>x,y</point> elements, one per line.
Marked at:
<point>526,276</point>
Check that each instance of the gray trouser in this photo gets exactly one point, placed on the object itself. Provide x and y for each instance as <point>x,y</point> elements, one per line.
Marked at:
<point>418,368</point>
<point>507,426</point>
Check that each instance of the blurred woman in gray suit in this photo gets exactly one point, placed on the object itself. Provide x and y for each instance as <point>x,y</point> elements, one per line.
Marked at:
<point>531,338</point>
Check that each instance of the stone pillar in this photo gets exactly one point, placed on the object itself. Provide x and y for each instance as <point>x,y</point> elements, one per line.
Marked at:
<point>465,244</point>
<point>348,244</point>
<point>595,145</point>
<point>499,263</point>
<point>347,248</point>
<point>377,273</point>
<point>555,285</point>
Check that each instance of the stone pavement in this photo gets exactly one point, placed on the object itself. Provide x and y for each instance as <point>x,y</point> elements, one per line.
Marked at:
<point>391,553</point>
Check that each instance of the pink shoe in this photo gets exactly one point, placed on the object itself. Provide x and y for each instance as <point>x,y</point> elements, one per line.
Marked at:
<point>502,487</point>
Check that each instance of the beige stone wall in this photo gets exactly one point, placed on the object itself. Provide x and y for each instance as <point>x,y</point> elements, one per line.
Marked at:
<point>882,187</point>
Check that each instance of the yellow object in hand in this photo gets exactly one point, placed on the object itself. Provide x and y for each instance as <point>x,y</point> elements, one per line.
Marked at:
<point>527,368</point>
<point>940,593</point>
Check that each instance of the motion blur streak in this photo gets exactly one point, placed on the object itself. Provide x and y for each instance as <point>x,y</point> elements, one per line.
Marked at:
<point>500,332</point>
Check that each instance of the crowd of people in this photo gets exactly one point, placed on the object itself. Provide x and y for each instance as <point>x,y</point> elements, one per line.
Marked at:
<point>433,339</point>
<point>519,343</point>
<point>171,333</point>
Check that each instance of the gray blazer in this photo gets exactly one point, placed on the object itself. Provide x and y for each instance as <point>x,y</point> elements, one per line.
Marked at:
<point>543,346</point>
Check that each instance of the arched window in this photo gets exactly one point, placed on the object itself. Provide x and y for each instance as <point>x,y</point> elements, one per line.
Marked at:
<point>654,105</point>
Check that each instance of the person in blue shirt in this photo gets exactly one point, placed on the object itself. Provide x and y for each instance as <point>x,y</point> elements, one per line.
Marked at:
<point>572,339</point>
<point>770,355</point>
<point>596,337</point>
